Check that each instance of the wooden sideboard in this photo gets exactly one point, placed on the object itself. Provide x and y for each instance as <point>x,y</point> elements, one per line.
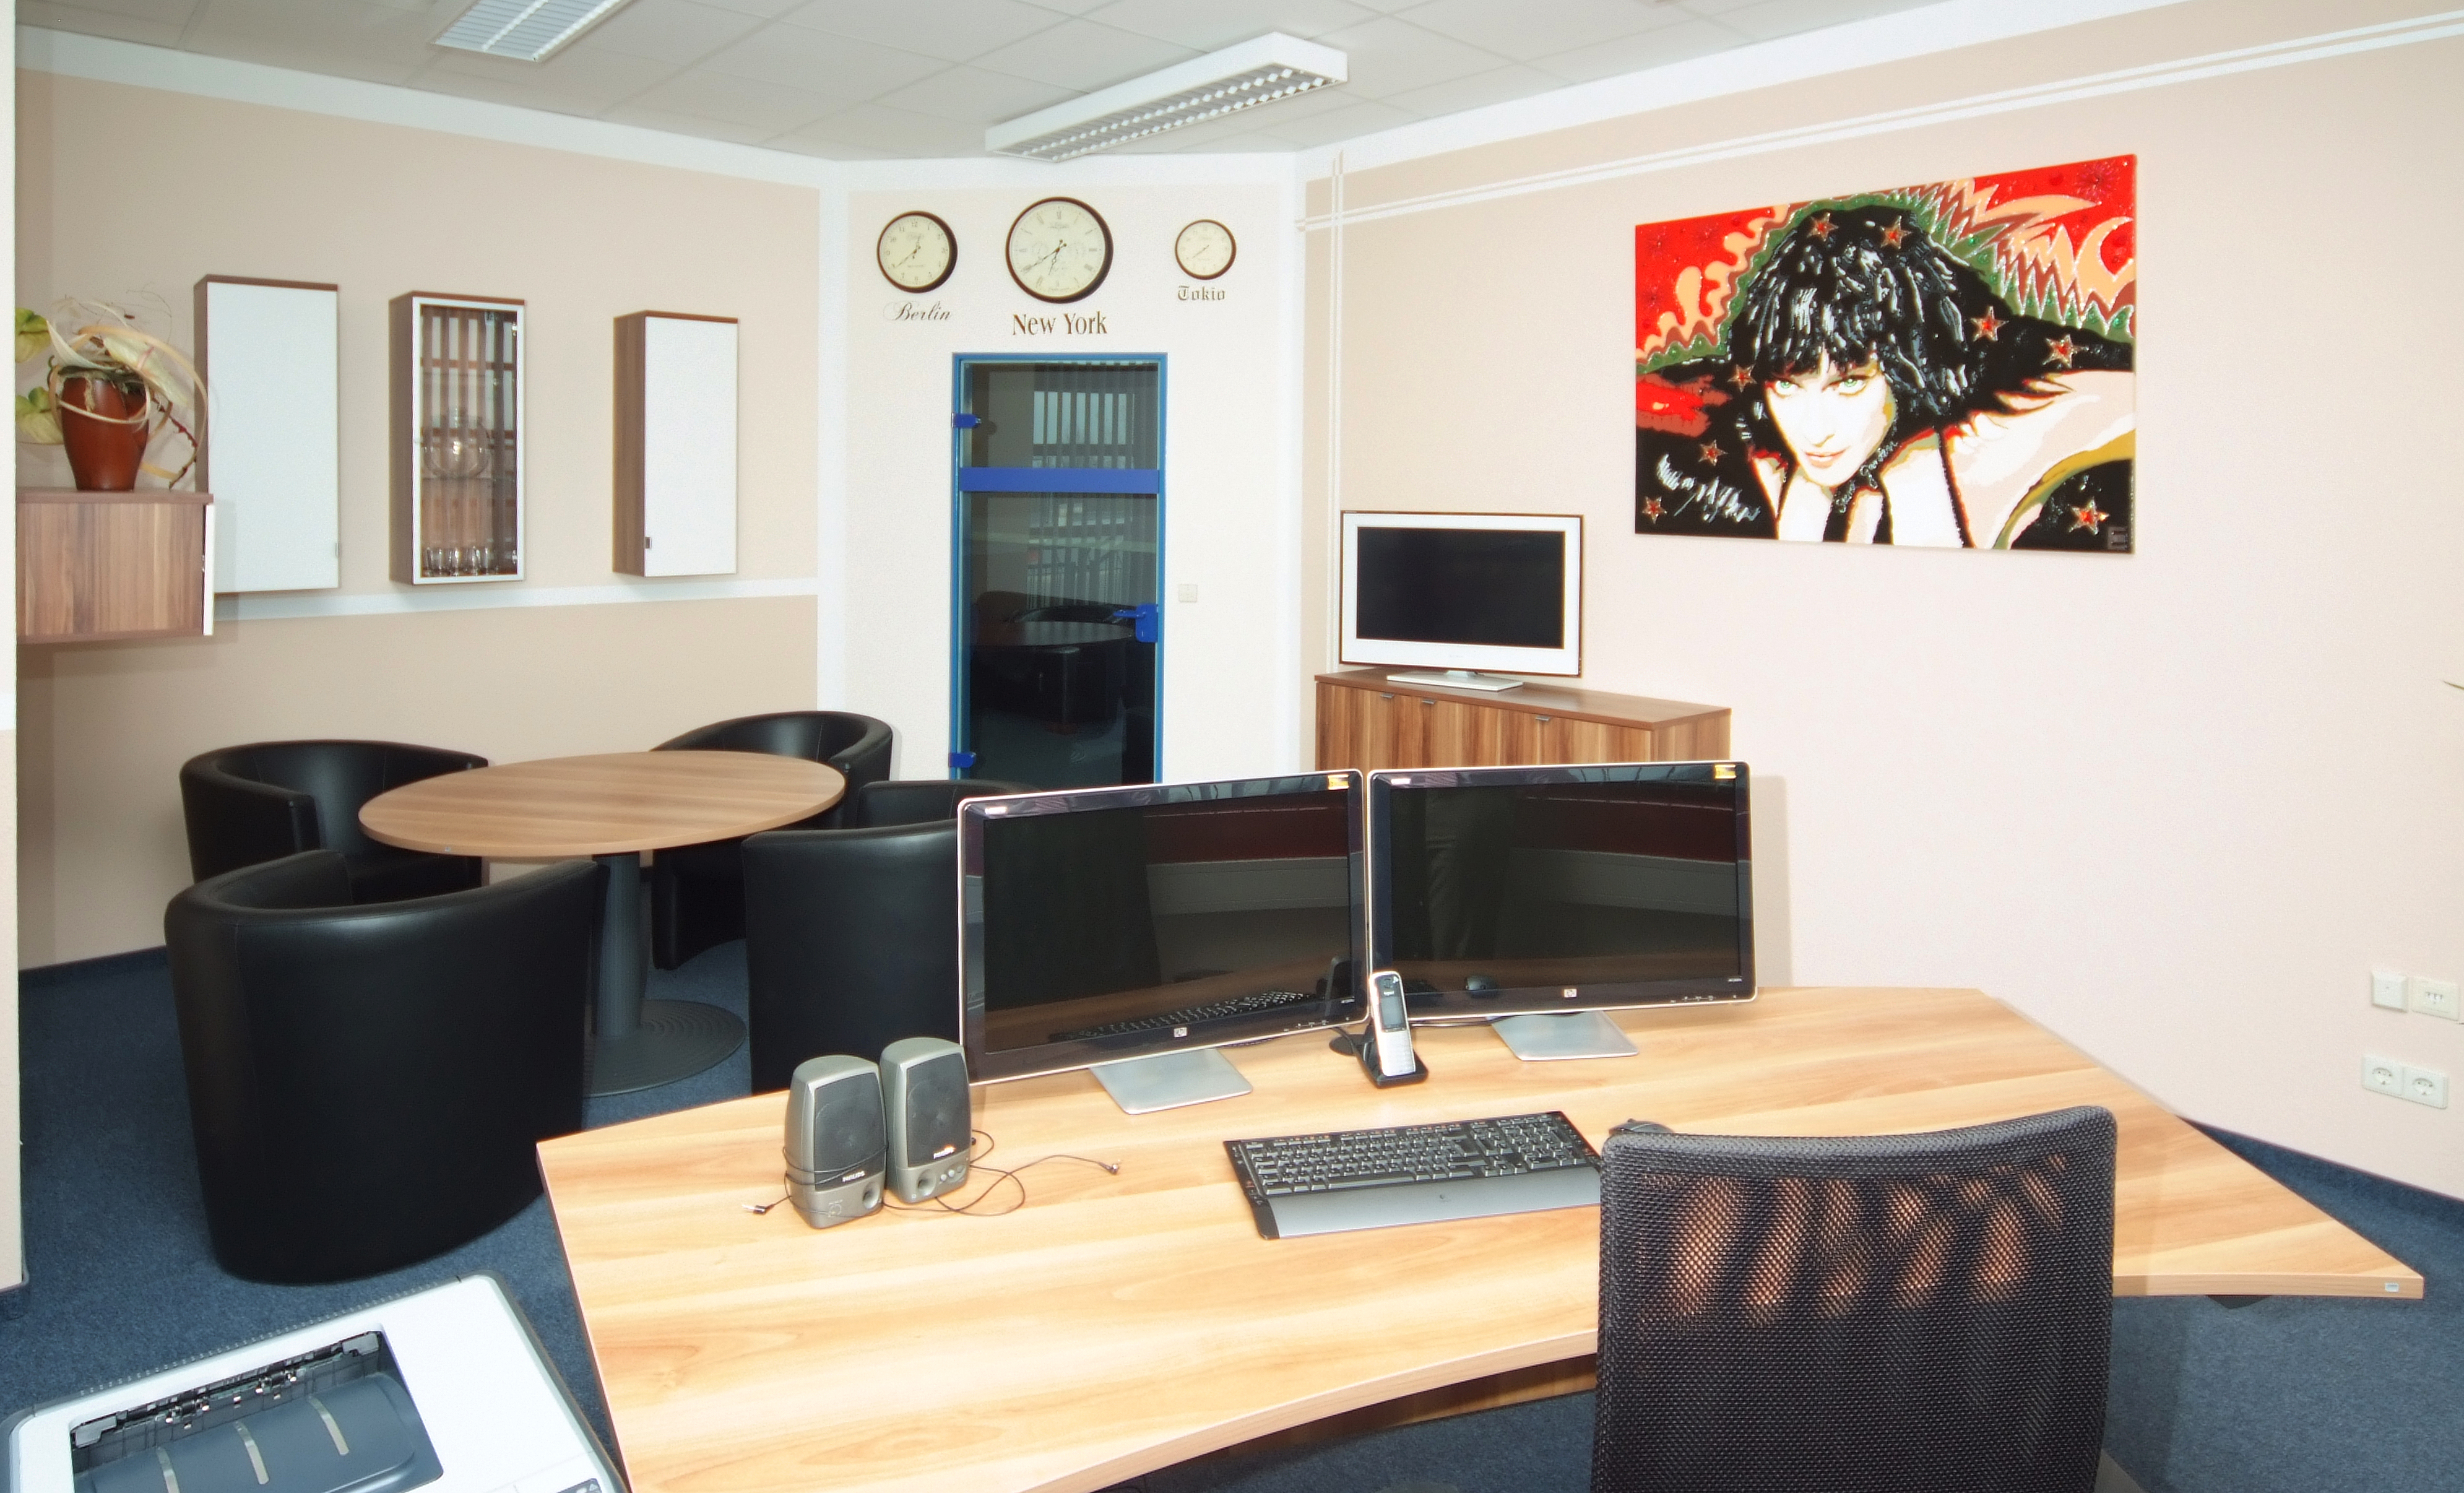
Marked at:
<point>1367,721</point>
<point>96,567</point>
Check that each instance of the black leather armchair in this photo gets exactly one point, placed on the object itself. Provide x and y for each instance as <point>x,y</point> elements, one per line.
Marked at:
<point>1925,1313</point>
<point>246,805</point>
<point>367,1083</point>
<point>697,892</point>
<point>850,941</point>
<point>918,800</point>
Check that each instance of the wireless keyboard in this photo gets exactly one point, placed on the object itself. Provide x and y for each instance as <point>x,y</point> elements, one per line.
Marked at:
<point>1340,1180</point>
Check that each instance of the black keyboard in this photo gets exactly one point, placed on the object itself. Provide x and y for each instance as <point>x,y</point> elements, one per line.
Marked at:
<point>1191,1016</point>
<point>1340,1180</point>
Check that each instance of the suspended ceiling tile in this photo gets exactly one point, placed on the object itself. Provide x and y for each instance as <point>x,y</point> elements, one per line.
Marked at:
<point>175,11</point>
<point>955,31</point>
<point>766,9</point>
<point>1221,23</point>
<point>1389,57</point>
<point>679,32</point>
<point>647,116</point>
<point>580,74</point>
<point>1633,53</point>
<point>150,31</point>
<point>1081,56</point>
<point>1481,89</point>
<point>838,68</point>
<point>976,96</point>
<point>1524,32</point>
<point>1773,18</point>
<point>1361,116</point>
<point>749,102</point>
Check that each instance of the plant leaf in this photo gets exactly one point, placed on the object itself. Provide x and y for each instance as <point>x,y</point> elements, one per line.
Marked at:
<point>38,418</point>
<point>33,333</point>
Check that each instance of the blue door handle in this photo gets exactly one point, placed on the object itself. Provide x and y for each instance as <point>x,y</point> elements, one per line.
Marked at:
<point>961,761</point>
<point>1149,618</point>
<point>964,422</point>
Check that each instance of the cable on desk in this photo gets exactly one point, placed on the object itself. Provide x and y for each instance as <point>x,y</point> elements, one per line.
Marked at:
<point>975,1163</point>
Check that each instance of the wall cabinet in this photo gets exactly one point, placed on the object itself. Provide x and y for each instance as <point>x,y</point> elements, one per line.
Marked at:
<point>675,444</point>
<point>1365,720</point>
<point>457,438</point>
<point>269,442</point>
<point>94,566</point>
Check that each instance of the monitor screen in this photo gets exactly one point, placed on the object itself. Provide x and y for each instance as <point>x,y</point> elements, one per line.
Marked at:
<point>1505,891</point>
<point>1463,591</point>
<point>1501,588</point>
<point>1113,923</point>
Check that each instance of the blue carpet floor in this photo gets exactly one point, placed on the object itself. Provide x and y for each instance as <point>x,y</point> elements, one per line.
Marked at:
<point>2286,1395</point>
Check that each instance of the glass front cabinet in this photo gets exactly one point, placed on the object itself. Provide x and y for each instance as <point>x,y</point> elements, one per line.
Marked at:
<point>457,438</point>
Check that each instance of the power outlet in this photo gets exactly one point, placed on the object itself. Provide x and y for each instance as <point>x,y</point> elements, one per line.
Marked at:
<point>2383,1076</point>
<point>2386,988</point>
<point>2433,998</point>
<point>2425,1086</point>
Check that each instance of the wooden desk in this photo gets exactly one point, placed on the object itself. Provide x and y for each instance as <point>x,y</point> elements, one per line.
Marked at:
<point>612,807</point>
<point>1118,1324</point>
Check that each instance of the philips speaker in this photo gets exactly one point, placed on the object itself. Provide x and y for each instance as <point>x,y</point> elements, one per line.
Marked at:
<point>834,1140</point>
<point>932,1120</point>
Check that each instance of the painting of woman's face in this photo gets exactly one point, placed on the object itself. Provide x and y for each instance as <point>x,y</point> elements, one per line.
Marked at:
<point>1833,419</point>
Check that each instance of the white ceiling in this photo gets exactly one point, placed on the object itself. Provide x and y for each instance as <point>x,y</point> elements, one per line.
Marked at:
<point>862,79</point>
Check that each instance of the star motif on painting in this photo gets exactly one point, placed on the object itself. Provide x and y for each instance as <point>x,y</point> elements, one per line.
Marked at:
<point>1821,226</point>
<point>2088,516</point>
<point>1894,235</point>
<point>2059,351</point>
<point>1742,377</point>
<point>1710,451</point>
<point>1652,510</point>
<point>1989,326</point>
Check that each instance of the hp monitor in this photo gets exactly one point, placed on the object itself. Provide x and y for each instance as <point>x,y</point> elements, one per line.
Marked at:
<point>1454,594</point>
<point>1136,930</point>
<point>1524,896</point>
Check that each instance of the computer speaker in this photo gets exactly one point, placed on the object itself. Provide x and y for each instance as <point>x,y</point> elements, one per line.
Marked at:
<point>932,1119</point>
<point>834,1140</point>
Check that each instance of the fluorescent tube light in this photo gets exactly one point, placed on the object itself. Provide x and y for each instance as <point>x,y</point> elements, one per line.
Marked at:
<point>526,31</point>
<point>1273,66</point>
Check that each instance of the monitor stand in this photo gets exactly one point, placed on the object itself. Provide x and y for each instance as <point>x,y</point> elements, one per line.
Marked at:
<point>1558,1035</point>
<point>1169,1080</point>
<point>1456,679</point>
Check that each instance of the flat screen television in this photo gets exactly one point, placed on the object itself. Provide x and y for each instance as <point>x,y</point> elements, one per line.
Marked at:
<point>1463,594</point>
<point>1532,893</point>
<point>1135,929</point>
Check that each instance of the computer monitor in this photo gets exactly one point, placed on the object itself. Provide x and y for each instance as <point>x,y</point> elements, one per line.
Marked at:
<point>1462,593</point>
<point>1136,930</point>
<point>1534,897</point>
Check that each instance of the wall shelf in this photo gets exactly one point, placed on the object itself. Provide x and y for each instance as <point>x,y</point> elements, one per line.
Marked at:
<point>97,567</point>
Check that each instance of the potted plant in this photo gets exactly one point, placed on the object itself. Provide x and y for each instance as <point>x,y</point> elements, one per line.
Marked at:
<point>108,388</point>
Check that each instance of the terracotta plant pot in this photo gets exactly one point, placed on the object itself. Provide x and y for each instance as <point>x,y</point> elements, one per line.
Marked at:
<point>103,453</point>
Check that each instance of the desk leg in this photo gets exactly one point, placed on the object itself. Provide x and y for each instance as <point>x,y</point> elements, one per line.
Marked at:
<point>643,1043</point>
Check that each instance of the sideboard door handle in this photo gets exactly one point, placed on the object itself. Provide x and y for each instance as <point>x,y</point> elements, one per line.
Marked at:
<point>1542,719</point>
<point>1385,697</point>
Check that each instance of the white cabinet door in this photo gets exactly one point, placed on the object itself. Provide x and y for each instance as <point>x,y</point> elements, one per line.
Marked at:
<point>687,446</point>
<point>271,359</point>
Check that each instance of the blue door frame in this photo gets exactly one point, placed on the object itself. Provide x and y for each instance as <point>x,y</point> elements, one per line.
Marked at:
<point>965,479</point>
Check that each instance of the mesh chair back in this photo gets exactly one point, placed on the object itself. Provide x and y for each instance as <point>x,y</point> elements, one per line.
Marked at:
<point>1895,1313</point>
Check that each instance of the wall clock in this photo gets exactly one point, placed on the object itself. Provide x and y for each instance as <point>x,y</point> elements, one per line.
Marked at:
<point>1060,250</point>
<point>916,251</point>
<point>1204,249</point>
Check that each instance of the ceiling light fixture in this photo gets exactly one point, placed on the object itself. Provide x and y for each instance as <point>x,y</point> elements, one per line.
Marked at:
<point>526,31</point>
<point>1274,66</point>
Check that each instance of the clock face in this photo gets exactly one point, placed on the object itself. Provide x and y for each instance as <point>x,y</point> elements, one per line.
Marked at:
<point>1204,249</point>
<point>916,251</point>
<point>1059,249</point>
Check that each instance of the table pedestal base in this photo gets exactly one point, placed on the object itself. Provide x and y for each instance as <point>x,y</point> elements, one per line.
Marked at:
<point>676,1039</point>
<point>643,1043</point>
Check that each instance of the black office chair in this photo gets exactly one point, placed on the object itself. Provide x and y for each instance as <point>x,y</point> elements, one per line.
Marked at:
<point>850,942</point>
<point>697,892</point>
<point>248,804</point>
<point>367,1084</point>
<point>1912,1313</point>
<point>918,800</point>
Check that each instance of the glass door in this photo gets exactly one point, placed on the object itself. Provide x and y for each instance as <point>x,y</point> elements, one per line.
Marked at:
<point>1057,570</point>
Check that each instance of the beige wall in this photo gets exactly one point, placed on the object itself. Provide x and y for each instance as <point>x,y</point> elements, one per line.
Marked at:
<point>2176,804</point>
<point>129,193</point>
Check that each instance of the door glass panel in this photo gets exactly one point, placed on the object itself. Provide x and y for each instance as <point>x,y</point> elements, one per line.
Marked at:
<point>1060,518</point>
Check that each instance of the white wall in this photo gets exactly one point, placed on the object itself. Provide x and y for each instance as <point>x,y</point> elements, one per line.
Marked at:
<point>1229,703</point>
<point>2173,805</point>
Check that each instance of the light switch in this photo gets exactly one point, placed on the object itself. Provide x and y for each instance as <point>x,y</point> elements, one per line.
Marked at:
<point>1189,591</point>
<point>2386,988</point>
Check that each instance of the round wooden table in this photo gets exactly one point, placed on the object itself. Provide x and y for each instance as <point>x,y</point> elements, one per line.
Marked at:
<point>613,808</point>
